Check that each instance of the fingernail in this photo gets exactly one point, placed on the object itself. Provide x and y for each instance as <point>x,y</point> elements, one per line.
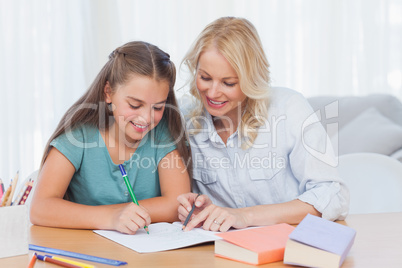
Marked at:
<point>197,203</point>
<point>188,209</point>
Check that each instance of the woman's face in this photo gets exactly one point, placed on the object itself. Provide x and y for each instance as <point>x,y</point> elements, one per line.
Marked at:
<point>218,85</point>
<point>138,105</point>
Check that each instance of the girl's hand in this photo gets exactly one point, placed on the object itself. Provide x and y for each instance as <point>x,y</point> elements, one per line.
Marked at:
<point>130,218</point>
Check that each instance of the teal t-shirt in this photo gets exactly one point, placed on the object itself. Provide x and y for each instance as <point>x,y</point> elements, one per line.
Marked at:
<point>97,180</point>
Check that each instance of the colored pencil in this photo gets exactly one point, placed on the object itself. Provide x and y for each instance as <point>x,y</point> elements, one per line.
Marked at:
<point>32,262</point>
<point>81,264</point>
<point>13,186</point>
<point>189,214</point>
<point>76,255</point>
<point>20,194</point>
<point>26,193</point>
<point>1,188</point>
<point>6,195</point>
<point>60,263</point>
<point>130,190</point>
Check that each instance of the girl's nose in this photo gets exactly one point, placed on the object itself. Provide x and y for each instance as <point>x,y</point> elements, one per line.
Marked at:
<point>146,116</point>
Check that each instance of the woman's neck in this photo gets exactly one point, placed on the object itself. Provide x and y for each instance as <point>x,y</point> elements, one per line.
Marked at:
<point>227,125</point>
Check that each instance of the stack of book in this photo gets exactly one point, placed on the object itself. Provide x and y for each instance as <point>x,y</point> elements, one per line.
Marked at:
<point>315,242</point>
<point>254,246</point>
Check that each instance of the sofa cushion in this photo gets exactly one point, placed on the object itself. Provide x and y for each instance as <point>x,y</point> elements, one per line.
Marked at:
<point>351,106</point>
<point>397,155</point>
<point>370,131</point>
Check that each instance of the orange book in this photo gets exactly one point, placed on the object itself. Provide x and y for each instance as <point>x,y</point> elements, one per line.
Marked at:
<point>254,246</point>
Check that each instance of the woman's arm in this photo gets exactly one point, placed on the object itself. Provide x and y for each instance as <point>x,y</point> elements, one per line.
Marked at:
<point>217,218</point>
<point>291,212</point>
<point>174,181</point>
<point>48,207</point>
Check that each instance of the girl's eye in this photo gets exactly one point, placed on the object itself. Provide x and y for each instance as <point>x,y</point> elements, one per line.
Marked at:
<point>134,107</point>
<point>230,84</point>
<point>158,108</point>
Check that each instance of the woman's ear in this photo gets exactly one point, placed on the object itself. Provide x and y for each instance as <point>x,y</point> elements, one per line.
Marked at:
<point>107,90</point>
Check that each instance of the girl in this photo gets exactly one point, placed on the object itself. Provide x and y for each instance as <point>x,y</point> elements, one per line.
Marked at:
<point>126,117</point>
<point>254,151</point>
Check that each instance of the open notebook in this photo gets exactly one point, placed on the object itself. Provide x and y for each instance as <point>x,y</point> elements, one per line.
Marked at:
<point>162,236</point>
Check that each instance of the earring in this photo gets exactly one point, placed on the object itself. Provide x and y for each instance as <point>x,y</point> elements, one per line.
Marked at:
<point>110,108</point>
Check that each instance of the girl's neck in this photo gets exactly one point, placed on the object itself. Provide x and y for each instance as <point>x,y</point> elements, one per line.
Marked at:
<point>119,148</point>
<point>120,138</point>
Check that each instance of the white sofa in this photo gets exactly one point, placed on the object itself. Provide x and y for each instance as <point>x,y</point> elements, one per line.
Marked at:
<point>371,123</point>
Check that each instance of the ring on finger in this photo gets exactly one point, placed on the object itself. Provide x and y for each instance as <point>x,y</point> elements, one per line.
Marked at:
<point>217,223</point>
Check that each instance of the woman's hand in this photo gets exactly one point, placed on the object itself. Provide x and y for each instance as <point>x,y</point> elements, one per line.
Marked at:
<point>186,202</point>
<point>210,216</point>
<point>130,218</point>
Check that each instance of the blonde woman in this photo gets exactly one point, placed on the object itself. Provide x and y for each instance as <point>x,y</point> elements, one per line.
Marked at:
<point>251,147</point>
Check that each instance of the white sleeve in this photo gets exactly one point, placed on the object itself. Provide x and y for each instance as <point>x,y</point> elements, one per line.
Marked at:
<point>313,161</point>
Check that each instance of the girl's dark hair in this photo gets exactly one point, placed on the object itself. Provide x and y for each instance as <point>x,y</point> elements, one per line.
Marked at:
<point>134,58</point>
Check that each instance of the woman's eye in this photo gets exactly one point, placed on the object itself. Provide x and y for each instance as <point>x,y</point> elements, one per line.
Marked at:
<point>205,78</point>
<point>230,84</point>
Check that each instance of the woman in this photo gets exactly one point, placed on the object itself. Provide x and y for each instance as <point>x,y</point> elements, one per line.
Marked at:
<point>251,144</point>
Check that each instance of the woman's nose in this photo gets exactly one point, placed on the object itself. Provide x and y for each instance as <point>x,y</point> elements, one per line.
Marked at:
<point>214,90</point>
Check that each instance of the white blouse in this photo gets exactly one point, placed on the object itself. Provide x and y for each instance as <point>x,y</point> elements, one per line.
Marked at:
<point>291,158</point>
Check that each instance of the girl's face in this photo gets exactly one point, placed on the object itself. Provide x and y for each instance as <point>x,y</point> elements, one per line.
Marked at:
<point>218,85</point>
<point>138,105</point>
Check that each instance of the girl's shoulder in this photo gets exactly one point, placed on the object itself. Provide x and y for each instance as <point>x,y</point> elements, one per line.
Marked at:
<point>79,133</point>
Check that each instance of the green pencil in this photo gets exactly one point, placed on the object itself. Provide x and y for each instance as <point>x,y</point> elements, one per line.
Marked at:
<point>130,189</point>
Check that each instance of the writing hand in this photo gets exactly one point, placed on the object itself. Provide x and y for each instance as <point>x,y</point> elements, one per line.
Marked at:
<point>186,204</point>
<point>130,218</point>
<point>215,218</point>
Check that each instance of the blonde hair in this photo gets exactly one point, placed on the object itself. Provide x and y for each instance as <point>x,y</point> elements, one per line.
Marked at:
<point>238,41</point>
<point>134,58</point>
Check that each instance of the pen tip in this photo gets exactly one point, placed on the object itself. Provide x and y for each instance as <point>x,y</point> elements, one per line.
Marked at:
<point>146,229</point>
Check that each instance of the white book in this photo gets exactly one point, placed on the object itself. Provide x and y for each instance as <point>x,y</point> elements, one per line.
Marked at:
<point>162,236</point>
